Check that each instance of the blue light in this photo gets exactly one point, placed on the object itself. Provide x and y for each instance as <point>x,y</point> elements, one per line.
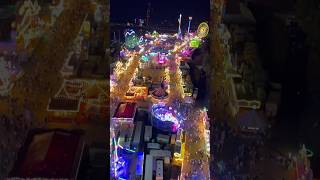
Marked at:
<point>139,167</point>
<point>130,150</point>
<point>153,54</point>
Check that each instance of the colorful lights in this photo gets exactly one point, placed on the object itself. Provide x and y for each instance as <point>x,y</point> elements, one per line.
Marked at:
<point>162,54</point>
<point>178,155</point>
<point>203,30</point>
<point>162,59</point>
<point>130,32</point>
<point>141,40</point>
<point>131,41</point>
<point>155,33</point>
<point>165,118</point>
<point>144,58</point>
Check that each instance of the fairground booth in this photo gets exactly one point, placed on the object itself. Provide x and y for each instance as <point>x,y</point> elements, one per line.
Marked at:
<point>125,112</point>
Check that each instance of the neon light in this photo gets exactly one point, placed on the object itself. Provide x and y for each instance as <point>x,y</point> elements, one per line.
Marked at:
<point>190,19</point>
<point>129,33</point>
<point>141,40</point>
<point>164,114</point>
<point>203,30</point>
<point>130,150</point>
<point>139,167</point>
<point>194,43</point>
<point>145,58</point>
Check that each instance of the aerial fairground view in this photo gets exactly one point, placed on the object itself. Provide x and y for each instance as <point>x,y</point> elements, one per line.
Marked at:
<point>194,94</point>
<point>156,115</point>
<point>159,90</point>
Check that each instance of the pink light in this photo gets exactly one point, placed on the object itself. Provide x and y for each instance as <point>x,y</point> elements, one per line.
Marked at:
<point>162,59</point>
<point>174,127</point>
<point>186,52</point>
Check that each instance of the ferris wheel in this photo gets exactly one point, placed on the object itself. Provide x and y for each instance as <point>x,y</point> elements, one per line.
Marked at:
<point>203,30</point>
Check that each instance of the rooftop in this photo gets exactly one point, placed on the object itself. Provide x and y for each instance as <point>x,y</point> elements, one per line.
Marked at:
<point>125,110</point>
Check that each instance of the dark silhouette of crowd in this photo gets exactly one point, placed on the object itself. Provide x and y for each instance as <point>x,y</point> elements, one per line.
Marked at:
<point>13,131</point>
<point>236,161</point>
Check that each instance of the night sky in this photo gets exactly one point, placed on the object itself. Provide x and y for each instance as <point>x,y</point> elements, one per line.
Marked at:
<point>161,10</point>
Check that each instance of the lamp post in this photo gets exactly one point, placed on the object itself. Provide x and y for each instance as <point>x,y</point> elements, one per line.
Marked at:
<point>190,19</point>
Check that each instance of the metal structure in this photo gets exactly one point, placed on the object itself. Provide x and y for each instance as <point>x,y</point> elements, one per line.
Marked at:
<point>190,19</point>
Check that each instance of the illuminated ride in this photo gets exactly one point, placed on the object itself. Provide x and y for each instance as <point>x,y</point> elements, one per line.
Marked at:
<point>165,118</point>
<point>203,30</point>
<point>131,40</point>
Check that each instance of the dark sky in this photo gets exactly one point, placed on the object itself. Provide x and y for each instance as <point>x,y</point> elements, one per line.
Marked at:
<point>124,10</point>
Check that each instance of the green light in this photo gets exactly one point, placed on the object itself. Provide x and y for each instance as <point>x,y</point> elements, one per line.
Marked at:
<point>155,33</point>
<point>194,43</point>
<point>145,58</point>
<point>131,41</point>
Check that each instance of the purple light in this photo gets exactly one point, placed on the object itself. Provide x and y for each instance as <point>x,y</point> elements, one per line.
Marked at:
<point>122,53</point>
<point>174,128</point>
<point>165,113</point>
<point>186,52</point>
<point>162,58</point>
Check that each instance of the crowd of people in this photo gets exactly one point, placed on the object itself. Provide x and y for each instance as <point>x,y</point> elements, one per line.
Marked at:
<point>13,131</point>
<point>197,158</point>
<point>237,157</point>
<point>237,160</point>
